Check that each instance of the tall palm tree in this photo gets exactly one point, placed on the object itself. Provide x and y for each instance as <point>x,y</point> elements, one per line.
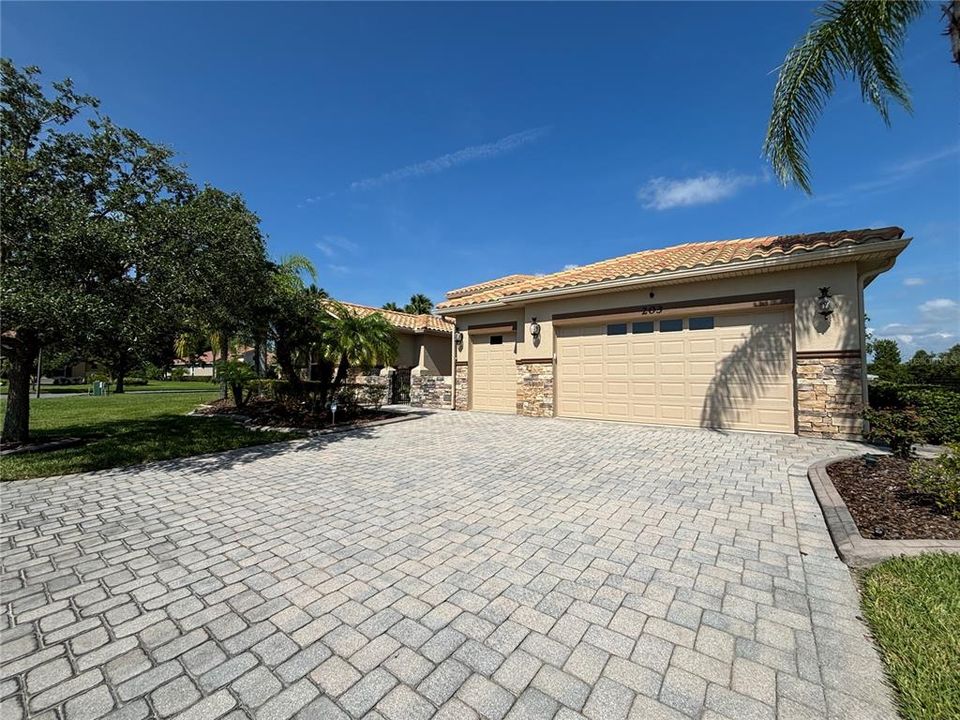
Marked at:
<point>292,312</point>
<point>419,304</point>
<point>859,38</point>
<point>354,340</point>
<point>392,306</point>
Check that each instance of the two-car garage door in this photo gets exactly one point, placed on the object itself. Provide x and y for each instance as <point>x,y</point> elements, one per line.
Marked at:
<point>733,371</point>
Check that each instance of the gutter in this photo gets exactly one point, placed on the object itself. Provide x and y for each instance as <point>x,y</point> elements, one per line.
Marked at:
<point>778,262</point>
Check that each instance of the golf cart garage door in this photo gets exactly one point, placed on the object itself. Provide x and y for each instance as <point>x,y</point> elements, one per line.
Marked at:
<point>705,370</point>
<point>493,371</point>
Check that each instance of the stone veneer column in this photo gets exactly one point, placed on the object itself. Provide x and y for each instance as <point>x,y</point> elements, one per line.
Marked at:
<point>461,386</point>
<point>535,388</point>
<point>830,395</point>
<point>429,390</point>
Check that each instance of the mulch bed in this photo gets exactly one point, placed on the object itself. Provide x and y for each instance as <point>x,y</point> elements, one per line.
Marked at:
<point>883,505</point>
<point>273,414</point>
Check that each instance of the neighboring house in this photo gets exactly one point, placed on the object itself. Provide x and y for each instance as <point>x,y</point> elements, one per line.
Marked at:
<point>755,334</point>
<point>424,341</point>
<point>203,365</point>
<point>199,366</point>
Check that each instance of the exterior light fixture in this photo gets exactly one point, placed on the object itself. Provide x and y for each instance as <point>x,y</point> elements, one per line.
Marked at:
<point>458,337</point>
<point>535,329</point>
<point>825,302</point>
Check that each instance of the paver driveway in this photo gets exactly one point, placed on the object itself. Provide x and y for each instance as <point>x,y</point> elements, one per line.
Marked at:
<point>457,564</point>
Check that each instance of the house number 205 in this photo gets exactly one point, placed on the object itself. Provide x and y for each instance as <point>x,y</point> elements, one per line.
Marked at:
<point>651,309</point>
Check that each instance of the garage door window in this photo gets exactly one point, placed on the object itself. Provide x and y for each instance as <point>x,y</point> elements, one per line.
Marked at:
<point>496,339</point>
<point>671,325</point>
<point>640,328</point>
<point>701,323</point>
<point>617,329</point>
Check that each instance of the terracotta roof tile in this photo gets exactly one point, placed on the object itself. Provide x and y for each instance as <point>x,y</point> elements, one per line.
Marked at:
<point>488,285</point>
<point>678,257</point>
<point>402,320</point>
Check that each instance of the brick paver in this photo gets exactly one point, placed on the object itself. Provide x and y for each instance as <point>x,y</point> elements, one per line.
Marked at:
<point>458,565</point>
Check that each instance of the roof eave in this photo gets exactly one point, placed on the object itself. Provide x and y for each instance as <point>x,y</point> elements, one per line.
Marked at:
<point>758,265</point>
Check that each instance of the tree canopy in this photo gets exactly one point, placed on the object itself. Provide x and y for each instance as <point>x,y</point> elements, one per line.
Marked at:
<point>849,38</point>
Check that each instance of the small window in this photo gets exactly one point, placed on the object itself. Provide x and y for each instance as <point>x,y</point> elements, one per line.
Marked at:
<point>701,323</point>
<point>643,327</point>
<point>671,325</point>
<point>617,329</point>
<point>496,339</point>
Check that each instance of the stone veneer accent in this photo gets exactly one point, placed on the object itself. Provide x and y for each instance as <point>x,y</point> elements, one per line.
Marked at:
<point>830,396</point>
<point>431,391</point>
<point>535,388</point>
<point>461,395</point>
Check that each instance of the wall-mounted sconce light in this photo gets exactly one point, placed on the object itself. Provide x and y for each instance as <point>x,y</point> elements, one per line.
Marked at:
<point>825,302</point>
<point>535,329</point>
<point>458,337</point>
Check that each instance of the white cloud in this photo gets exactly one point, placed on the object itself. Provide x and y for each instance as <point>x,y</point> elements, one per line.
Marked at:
<point>570,266</point>
<point>333,245</point>
<point>940,307</point>
<point>914,282</point>
<point>665,193</point>
<point>935,328</point>
<point>339,269</point>
<point>453,159</point>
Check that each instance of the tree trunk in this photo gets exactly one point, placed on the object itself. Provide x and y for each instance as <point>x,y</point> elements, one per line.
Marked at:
<point>224,353</point>
<point>341,375</point>
<point>16,418</point>
<point>118,386</point>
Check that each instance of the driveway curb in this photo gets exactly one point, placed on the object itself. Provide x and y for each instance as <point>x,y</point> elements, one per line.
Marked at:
<point>854,549</point>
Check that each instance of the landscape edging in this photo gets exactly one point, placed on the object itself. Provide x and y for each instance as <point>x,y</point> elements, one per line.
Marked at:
<point>854,549</point>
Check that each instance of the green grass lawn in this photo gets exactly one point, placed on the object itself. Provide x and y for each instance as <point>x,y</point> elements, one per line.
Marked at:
<point>198,385</point>
<point>913,607</point>
<point>126,430</point>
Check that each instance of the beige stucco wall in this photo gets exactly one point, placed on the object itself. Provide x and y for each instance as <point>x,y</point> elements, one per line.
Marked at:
<point>486,318</point>
<point>408,350</point>
<point>437,353</point>
<point>841,332</point>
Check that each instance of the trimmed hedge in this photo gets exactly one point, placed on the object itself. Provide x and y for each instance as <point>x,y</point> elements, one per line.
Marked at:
<point>937,408</point>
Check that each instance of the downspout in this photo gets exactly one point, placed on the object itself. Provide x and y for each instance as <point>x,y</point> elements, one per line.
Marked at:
<point>862,281</point>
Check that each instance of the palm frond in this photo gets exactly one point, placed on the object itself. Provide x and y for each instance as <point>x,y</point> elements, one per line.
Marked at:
<point>858,38</point>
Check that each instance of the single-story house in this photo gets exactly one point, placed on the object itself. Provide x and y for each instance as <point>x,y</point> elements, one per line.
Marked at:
<point>423,340</point>
<point>761,333</point>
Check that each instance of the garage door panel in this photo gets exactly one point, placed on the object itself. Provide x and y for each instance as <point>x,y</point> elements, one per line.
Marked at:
<point>739,374</point>
<point>493,373</point>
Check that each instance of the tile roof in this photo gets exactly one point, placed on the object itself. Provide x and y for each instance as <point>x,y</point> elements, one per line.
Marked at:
<point>663,260</point>
<point>402,320</point>
<point>488,285</point>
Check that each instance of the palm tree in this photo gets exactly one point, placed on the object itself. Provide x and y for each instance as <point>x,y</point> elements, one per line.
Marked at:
<point>293,312</point>
<point>419,304</point>
<point>860,38</point>
<point>354,340</point>
<point>392,306</point>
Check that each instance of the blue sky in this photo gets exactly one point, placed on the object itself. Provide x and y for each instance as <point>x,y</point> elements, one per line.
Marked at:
<point>419,147</point>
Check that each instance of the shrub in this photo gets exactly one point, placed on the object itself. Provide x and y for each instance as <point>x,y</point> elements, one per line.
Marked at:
<point>940,479</point>
<point>178,374</point>
<point>135,381</point>
<point>896,428</point>
<point>937,408</point>
<point>237,375</point>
